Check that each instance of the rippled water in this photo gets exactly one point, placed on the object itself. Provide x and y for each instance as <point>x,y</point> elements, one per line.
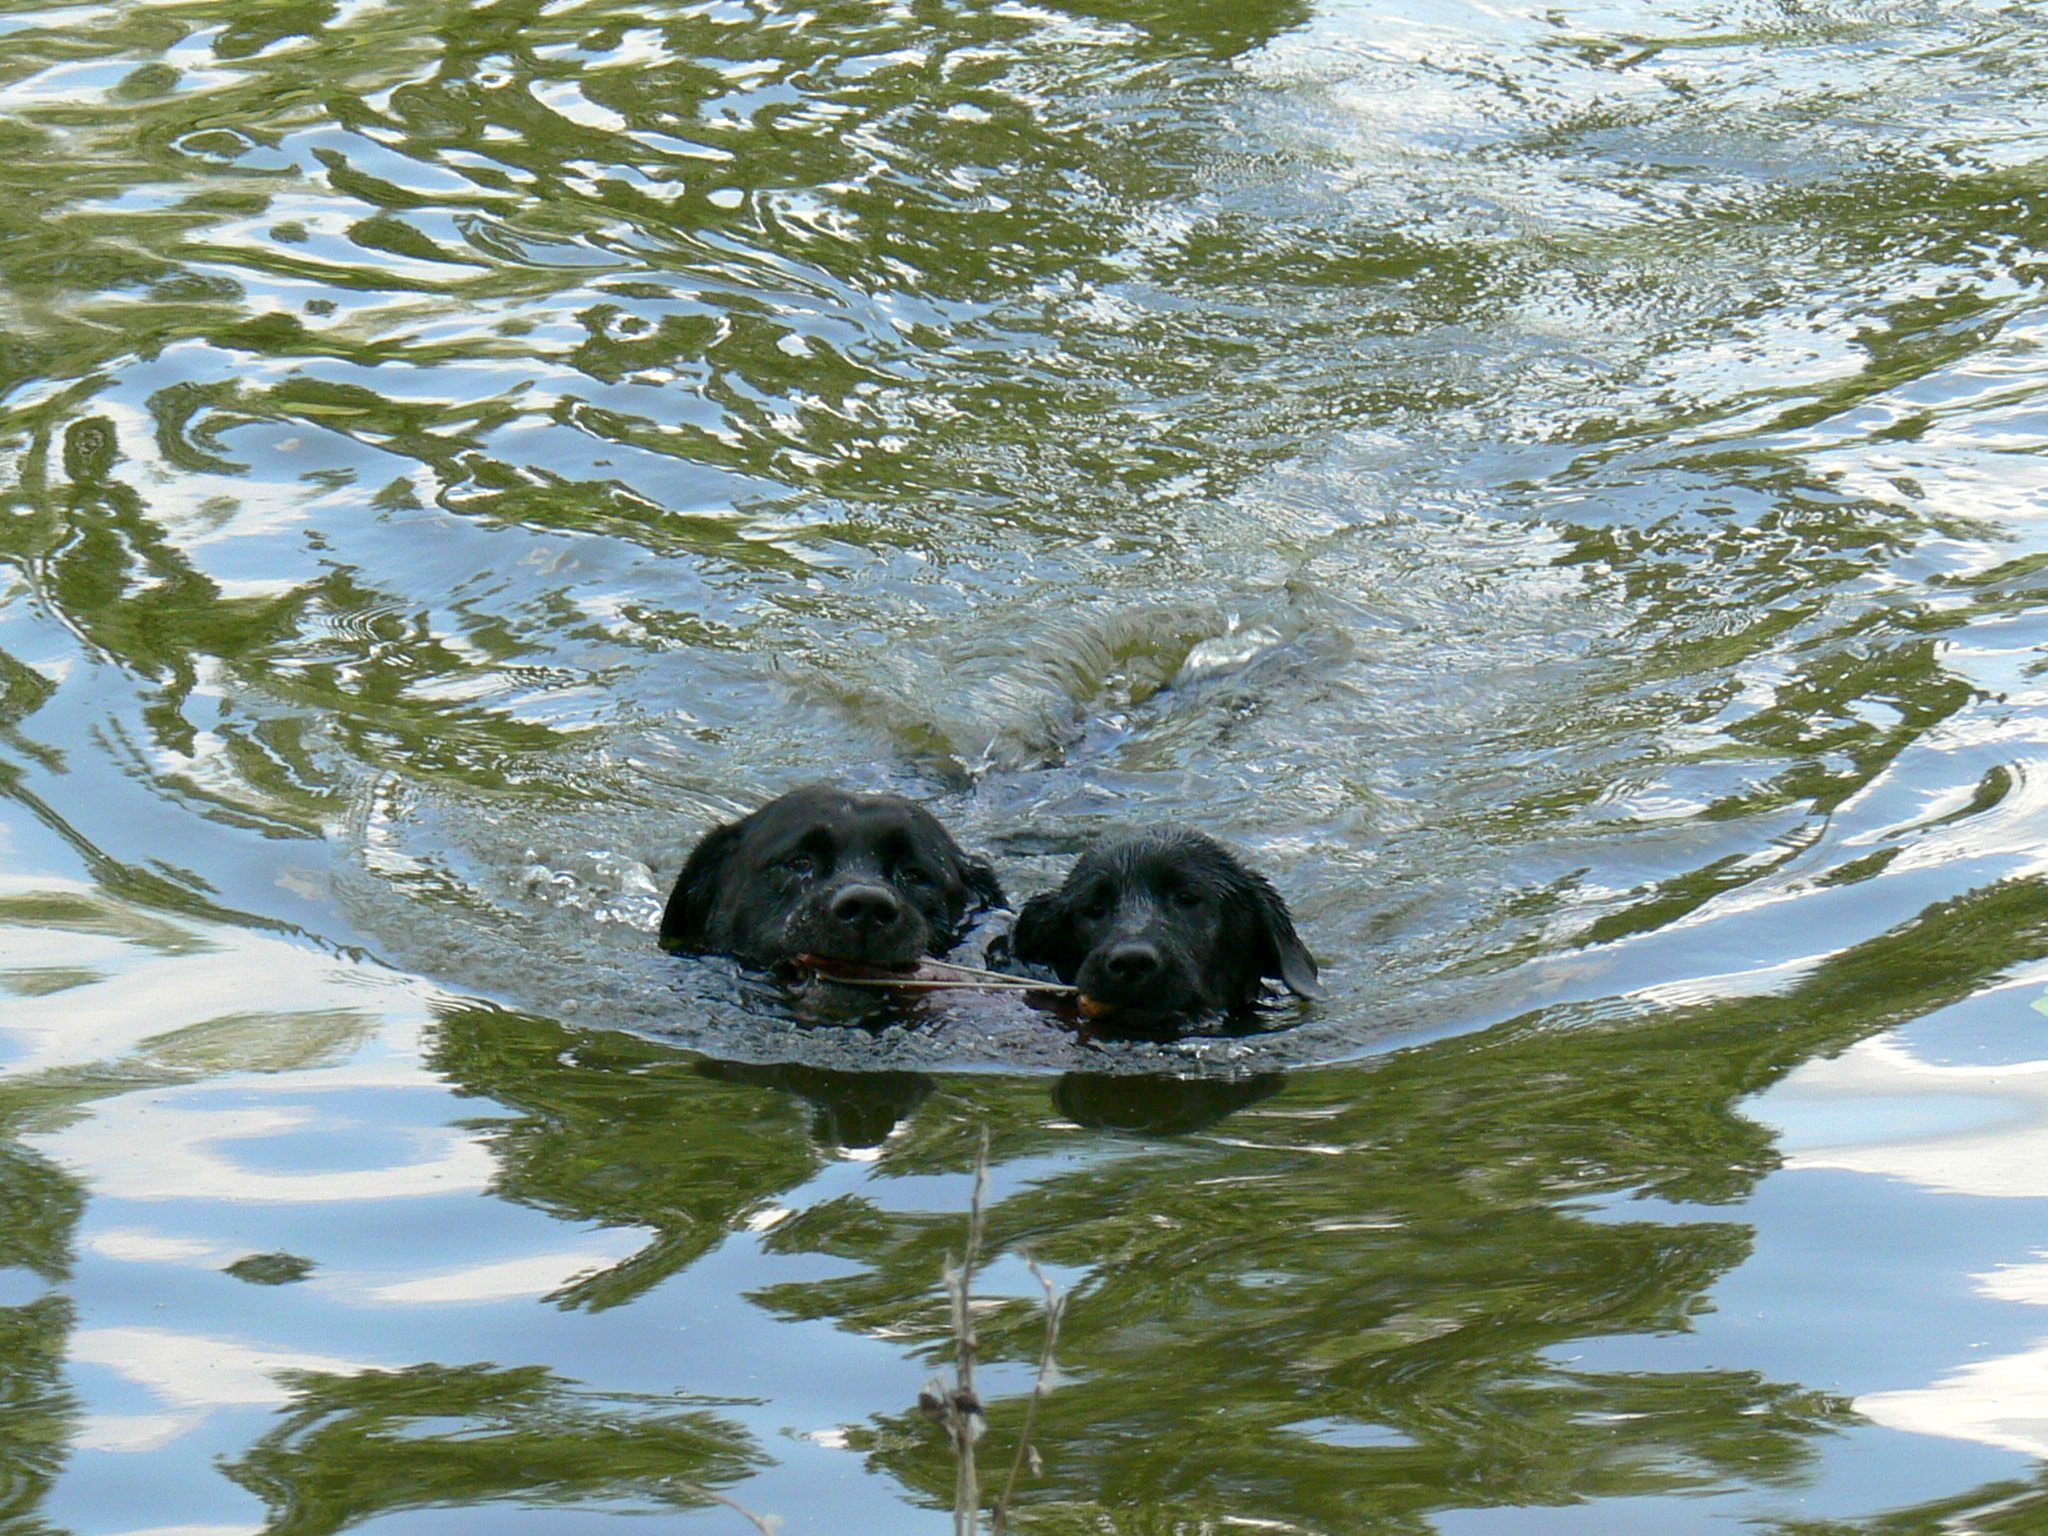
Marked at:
<point>1560,487</point>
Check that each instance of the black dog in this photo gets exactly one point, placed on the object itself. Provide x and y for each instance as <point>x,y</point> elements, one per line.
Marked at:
<point>1163,925</point>
<point>873,879</point>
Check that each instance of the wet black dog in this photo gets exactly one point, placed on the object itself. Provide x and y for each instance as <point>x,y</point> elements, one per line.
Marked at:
<point>1162,926</point>
<point>820,871</point>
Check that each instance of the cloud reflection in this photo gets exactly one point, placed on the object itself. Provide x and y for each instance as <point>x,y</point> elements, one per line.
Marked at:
<point>2001,1402</point>
<point>535,1275</point>
<point>160,1149</point>
<point>1879,1109</point>
<point>191,1375</point>
<point>1979,1131</point>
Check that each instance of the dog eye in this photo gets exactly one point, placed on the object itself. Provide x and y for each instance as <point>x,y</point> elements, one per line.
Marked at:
<point>799,864</point>
<point>911,875</point>
<point>1186,896</point>
<point>1098,905</point>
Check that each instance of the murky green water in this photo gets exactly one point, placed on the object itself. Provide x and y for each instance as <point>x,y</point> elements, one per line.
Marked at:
<point>1560,486</point>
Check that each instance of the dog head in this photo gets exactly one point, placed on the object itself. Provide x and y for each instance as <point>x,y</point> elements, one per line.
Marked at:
<point>1164,925</point>
<point>872,879</point>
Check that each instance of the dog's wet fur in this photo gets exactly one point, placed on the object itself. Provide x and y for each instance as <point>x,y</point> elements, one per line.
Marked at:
<point>826,872</point>
<point>1161,927</point>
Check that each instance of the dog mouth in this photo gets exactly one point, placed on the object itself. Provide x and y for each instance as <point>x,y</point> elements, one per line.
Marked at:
<point>898,942</point>
<point>859,961</point>
<point>846,968</point>
<point>1111,1006</point>
<point>1108,1020</point>
<point>1162,994</point>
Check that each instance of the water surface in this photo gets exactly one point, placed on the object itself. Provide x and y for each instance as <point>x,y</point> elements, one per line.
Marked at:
<point>1559,488</point>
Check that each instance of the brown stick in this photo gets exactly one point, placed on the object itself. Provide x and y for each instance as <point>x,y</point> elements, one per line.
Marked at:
<point>974,970</point>
<point>924,974</point>
<point>948,984</point>
<point>967,1480</point>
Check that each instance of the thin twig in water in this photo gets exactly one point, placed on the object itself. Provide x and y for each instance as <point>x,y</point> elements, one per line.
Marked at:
<point>967,1481</point>
<point>977,1223</point>
<point>951,984</point>
<point>1055,1309</point>
<point>977,971</point>
<point>957,1409</point>
<point>927,976</point>
<point>767,1525</point>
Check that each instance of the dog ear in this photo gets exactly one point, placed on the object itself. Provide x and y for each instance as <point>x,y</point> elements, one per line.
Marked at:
<point>983,888</point>
<point>1281,952</point>
<point>688,913</point>
<point>1045,935</point>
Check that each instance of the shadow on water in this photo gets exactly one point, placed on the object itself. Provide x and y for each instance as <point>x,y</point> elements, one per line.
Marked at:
<point>860,1110</point>
<point>854,1110</point>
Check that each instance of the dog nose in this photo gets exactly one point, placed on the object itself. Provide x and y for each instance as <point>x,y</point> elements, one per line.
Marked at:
<point>866,906</point>
<point>1132,963</point>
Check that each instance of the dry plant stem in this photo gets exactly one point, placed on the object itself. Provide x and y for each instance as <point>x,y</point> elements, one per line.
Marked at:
<point>967,1406</point>
<point>767,1525</point>
<point>946,984</point>
<point>939,975</point>
<point>959,1419</point>
<point>1055,1309</point>
<point>977,971</point>
<point>976,1224</point>
<point>956,1408</point>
